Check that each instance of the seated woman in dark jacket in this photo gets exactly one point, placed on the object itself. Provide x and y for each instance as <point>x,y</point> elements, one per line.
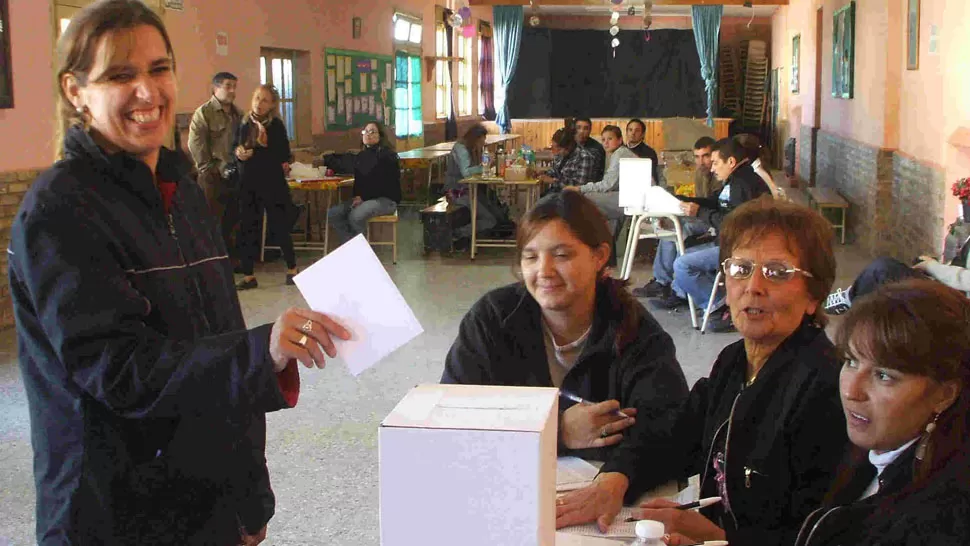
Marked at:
<point>903,386</point>
<point>764,430</point>
<point>377,184</point>
<point>570,325</point>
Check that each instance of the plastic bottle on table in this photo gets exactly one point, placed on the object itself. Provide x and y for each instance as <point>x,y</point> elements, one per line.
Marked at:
<point>486,162</point>
<point>649,533</point>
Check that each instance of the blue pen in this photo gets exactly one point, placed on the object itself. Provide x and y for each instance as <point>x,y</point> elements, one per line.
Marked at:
<point>579,400</point>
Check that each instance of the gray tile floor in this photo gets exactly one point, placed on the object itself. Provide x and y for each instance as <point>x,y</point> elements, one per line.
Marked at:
<point>323,453</point>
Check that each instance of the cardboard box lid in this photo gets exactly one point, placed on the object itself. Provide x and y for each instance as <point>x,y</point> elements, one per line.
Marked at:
<point>474,407</point>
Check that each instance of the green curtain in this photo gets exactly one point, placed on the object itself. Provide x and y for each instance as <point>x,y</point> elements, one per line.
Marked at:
<point>508,38</point>
<point>707,31</point>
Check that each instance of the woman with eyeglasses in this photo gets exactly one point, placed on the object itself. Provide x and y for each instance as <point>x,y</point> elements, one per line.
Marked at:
<point>377,184</point>
<point>764,430</point>
<point>904,391</point>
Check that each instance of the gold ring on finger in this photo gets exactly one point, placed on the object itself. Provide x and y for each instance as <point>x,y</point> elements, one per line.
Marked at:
<point>302,341</point>
<point>307,326</point>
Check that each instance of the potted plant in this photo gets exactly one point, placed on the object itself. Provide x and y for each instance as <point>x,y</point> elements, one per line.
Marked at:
<point>961,190</point>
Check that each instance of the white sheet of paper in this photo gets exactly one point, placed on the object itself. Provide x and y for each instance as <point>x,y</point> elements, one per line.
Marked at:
<point>636,175</point>
<point>573,473</point>
<point>350,285</point>
<point>373,81</point>
<point>660,201</point>
<point>340,101</point>
<point>340,68</point>
<point>618,529</point>
<point>331,114</point>
<point>331,86</point>
<point>363,83</point>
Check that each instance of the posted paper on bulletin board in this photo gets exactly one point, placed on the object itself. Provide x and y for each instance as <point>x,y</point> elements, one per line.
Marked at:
<point>356,88</point>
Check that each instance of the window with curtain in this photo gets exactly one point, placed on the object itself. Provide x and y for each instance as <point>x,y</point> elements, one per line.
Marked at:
<point>407,95</point>
<point>465,76</point>
<point>486,73</point>
<point>276,68</point>
<point>442,74</point>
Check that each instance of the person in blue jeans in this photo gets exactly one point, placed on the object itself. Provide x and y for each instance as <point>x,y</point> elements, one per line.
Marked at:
<point>663,263</point>
<point>694,272</point>
<point>377,184</point>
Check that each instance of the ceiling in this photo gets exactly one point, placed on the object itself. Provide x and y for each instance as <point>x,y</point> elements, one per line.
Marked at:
<point>604,9</point>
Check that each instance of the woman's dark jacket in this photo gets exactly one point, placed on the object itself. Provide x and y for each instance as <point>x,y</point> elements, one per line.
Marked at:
<point>500,342</point>
<point>937,514</point>
<point>786,437</point>
<point>745,186</point>
<point>263,172</point>
<point>146,393</point>
<point>377,174</point>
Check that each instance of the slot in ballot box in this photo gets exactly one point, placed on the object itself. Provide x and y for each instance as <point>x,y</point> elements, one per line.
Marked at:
<point>470,465</point>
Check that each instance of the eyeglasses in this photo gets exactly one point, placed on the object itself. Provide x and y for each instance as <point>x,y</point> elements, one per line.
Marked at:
<point>740,269</point>
<point>369,132</point>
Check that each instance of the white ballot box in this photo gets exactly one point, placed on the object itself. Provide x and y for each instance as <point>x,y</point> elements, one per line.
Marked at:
<point>470,465</point>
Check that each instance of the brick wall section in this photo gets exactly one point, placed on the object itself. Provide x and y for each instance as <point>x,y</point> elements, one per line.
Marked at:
<point>863,175</point>
<point>918,200</point>
<point>804,144</point>
<point>13,186</point>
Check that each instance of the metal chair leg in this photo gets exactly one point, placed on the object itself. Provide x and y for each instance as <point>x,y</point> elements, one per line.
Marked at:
<point>710,301</point>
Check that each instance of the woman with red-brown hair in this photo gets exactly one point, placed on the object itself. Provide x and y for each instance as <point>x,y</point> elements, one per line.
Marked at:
<point>907,407</point>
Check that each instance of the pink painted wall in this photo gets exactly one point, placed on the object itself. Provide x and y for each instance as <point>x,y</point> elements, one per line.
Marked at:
<point>26,130</point>
<point>313,26</point>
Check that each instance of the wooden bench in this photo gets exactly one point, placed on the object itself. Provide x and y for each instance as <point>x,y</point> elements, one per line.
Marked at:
<point>439,222</point>
<point>387,219</point>
<point>822,199</point>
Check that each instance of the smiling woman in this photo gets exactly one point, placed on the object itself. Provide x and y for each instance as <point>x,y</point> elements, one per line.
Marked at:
<point>569,325</point>
<point>147,394</point>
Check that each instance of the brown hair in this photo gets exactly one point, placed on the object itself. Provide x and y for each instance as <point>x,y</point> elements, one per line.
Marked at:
<point>752,147</point>
<point>383,142</point>
<point>808,235</point>
<point>587,223</point>
<point>470,140</point>
<point>918,327</point>
<point>78,46</point>
<point>613,129</point>
<point>565,139</point>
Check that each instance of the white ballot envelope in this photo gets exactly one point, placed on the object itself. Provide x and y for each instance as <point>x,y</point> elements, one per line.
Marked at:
<point>351,286</point>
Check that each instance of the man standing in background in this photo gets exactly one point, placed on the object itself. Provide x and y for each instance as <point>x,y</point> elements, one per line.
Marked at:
<point>210,139</point>
<point>635,131</point>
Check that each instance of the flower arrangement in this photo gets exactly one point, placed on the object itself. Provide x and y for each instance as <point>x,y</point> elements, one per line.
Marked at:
<point>961,189</point>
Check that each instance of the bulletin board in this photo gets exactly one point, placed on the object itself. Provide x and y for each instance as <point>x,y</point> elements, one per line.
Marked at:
<point>358,89</point>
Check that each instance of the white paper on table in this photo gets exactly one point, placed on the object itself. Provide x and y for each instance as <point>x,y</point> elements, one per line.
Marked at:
<point>660,201</point>
<point>350,285</point>
<point>566,539</point>
<point>620,528</point>
<point>573,473</point>
<point>636,175</point>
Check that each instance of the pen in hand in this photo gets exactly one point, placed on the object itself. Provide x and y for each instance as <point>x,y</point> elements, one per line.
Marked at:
<point>703,503</point>
<point>570,396</point>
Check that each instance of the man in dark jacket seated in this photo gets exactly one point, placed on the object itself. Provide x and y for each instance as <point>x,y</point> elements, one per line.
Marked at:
<point>570,325</point>
<point>694,272</point>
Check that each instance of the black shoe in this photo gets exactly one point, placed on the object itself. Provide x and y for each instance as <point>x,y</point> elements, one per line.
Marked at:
<point>720,321</point>
<point>671,302</point>
<point>652,289</point>
<point>289,279</point>
<point>247,284</point>
<point>461,244</point>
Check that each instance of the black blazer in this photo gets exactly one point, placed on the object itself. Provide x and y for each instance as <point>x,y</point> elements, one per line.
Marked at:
<point>263,172</point>
<point>500,342</point>
<point>785,435</point>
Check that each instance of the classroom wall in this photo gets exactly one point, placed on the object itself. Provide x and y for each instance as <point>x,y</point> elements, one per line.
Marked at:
<point>888,149</point>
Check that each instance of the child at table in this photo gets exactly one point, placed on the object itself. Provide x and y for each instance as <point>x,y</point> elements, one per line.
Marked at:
<point>377,184</point>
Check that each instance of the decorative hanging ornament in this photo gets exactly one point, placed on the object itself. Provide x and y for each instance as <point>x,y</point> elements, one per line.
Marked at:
<point>614,30</point>
<point>632,11</point>
<point>534,20</point>
<point>469,31</point>
<point>615,43</point>
<point>465,13</point>
<point>455,20</point>
<point>614,18</point>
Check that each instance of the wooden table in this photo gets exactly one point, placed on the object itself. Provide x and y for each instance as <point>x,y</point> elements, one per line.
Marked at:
<point>473,183</point>
<point>426,157</point>
<point>314,187</point>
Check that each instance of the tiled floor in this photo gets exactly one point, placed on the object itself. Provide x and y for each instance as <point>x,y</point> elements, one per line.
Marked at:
<point>323,453</point>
